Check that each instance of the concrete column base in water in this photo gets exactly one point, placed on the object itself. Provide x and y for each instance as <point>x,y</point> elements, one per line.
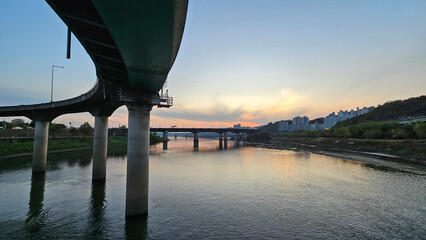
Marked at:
<point>41,135</point>
<point>220,141</point>
<point>195,139</point>
<point>137,160</point>
<point>237,140</point>
<point>165,139</point>
<point>100,145</point>
<point>244,136</point>
<point>225,140</point>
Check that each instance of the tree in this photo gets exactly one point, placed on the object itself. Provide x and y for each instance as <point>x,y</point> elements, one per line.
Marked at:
<point>73,131</point>
<point>86,129</point>
<point>420,129</point>
<point>373,134</point>
<point>54,129</point>
<point>393,110</point>
<point>343,132</point>
<point>18,121</point>
<point>123,127</point>
<point>9,125</point>
<point>259,136</point>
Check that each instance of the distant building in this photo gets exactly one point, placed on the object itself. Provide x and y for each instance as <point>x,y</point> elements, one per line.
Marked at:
<point>303,123</point>
<point>332,118</point>
<point>299,123</point>
<point>297,120</point>
<point>237,125</point>
<point>317,124</point>
<point>283,126</point>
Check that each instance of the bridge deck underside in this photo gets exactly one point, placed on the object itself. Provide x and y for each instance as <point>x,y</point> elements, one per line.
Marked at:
<point>89,28</point>
<point>133,44</point>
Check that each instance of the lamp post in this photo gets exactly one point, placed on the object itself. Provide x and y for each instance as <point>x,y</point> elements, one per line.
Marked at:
<point>51,89</point>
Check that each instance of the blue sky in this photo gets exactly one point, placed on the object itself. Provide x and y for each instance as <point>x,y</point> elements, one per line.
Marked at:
<point>240,61</point>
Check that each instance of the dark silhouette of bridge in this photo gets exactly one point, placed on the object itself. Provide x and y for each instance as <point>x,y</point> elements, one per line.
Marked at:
<point>213,130</point>
<point>222,132</point>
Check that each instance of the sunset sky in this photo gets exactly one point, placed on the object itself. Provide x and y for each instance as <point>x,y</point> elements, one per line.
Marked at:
<point>241,61</point>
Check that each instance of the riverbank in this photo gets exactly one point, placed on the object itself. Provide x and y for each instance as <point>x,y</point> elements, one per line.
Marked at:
<point>404,155</point>
<point>25,147</point>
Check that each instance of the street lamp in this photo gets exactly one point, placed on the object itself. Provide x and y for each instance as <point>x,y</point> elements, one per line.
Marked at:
<point>51,89</point>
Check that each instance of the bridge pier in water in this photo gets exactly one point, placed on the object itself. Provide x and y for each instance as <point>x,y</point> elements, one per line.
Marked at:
<point>41,135</point>
<point>225,140</point>
<point>165,139</point>
<point>237,140</point>
<point>220,141</point>
<point>196,139</point>
<point>137,160</point>
<point>100,145</point>
<point>244,139</point>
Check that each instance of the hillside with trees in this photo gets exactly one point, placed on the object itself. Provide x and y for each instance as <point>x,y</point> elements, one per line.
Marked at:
<point>391,111</point>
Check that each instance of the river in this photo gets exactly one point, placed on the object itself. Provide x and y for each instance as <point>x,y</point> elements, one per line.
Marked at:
<point>209,193</point>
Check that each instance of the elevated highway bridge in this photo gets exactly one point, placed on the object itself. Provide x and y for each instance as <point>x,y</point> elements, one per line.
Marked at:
<point>222,133</point>
<point>133,45</point>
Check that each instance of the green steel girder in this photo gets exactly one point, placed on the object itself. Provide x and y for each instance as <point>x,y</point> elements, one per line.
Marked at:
<point>132,43</point>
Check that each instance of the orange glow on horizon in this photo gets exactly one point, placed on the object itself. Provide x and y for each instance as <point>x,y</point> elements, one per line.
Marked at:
<point>168,122</point>
<point>156,121</point>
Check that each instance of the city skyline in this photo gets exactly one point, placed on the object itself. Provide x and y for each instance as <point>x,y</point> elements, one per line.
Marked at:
<point>238,64</point>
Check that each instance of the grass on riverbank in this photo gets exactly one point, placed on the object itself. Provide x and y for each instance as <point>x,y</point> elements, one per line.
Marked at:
<point>22,146</point>
<point>26,146</point>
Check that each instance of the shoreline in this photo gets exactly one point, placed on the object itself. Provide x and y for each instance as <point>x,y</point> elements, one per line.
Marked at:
<point>25,148</point>
<point>375,160</point>
<point>56,151</point>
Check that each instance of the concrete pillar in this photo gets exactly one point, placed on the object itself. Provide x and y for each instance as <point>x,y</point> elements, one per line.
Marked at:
<point>244,136</point>
<point>137,160</point>
<point>41,135</point>
<point>220,141</point>
<point>225,140</point>
<point>100,145</point>
<point>244,139</point>
<point>237,140</point>
<point>195,139</point>
<point>165,139</point>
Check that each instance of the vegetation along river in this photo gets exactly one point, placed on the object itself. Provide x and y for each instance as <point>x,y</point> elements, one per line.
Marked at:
<point>235,193</point>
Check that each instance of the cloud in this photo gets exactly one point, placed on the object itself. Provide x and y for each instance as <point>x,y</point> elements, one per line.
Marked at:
<point>287,105</point>
<point>217,113</point>
<point>252,109</point>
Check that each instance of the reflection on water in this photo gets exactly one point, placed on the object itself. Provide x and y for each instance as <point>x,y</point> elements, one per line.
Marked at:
<point>36,214</point>
<point>97,221</point>
<point>136,227</point>
<point>213,192</point>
